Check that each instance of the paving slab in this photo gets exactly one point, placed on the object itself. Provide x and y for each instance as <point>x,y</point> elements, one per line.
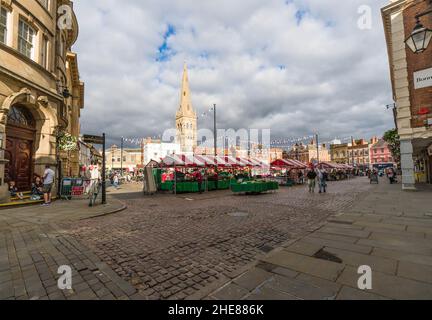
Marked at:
<point>406,234</point>
<point>395,245</point>
<point>348,293</point>
<point>253,278</point>
<point>338,244</point>
<point>231,292</point>
<point>416,229</point>
<point>345,232</point>
<point>389,286</point>
<point>410,222</point>
<point>357,259</point>
<point>301,289</point>
<point>415,271</point>
<point>285,272</point>
<point>334,237</point>
<point>305,248</point>
<point>268,294</point>
<point>380,225</point>
<point>401,240</point>
<point>316,267</point>
<point>319,282</point>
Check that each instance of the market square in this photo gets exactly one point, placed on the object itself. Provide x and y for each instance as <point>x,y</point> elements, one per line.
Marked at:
<point>215,152</point>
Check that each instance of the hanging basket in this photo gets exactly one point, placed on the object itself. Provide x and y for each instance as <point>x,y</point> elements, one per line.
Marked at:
<point>67,142</point>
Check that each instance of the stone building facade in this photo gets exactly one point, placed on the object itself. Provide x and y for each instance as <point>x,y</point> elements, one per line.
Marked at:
<point>41,95</point>
<point>309,153</point>
<point>359,153</point>
<point>413,102</point>
<point>339,153</point>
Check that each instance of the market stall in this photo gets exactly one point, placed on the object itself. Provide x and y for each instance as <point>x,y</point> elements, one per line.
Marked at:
<point>336,171</point>
<point>287,172</point>
<point>186,173</point>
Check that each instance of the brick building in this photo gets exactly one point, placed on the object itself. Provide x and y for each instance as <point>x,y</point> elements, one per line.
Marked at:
<point>411,75</point>
<point>380,153</point>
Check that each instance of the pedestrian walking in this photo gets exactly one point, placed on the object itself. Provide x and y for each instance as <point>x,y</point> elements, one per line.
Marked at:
<point>322,180</point>
<point>116,181</point>
<point>48,181</point>
<point>391,175</point>
<point>95,178</point>
<point>312,180</point>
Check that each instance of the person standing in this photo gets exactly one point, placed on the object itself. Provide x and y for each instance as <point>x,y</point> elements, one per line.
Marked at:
<point>116,180</point>
<point>94,178</point>
<point>322,180</point>
<point>391,175</point>
<point>312,180</point>
<point>48,181</point>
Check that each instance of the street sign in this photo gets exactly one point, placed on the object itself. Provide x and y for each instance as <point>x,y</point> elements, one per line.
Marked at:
<point>93,139</point>
<point>423,79</point>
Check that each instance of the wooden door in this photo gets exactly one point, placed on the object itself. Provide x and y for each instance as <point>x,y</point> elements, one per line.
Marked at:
<point>19,150</point>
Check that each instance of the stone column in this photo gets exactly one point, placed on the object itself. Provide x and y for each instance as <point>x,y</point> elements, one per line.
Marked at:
<point>407,163</point>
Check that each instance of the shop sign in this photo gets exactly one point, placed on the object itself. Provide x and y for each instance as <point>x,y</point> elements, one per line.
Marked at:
<point>93,139</point>
<point>423,78</point>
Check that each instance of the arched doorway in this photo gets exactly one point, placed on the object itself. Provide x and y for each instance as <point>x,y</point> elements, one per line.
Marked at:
<point>20,138</point>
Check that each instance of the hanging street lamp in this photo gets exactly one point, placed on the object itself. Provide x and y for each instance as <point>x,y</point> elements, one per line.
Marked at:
<point>420,38</point>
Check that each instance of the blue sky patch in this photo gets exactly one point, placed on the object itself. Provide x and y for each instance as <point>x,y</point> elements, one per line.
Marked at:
<point>165,52</point>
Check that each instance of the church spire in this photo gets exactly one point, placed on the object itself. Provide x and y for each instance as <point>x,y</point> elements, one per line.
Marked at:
<point>186,119</point>
<point>186,108</point>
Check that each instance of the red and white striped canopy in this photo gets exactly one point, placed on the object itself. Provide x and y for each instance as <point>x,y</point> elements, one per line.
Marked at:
<point>208,161</point>
<point>288,163</point>
<point>331,165</point>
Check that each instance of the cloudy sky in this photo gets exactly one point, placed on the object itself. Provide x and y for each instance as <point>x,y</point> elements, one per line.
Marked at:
<point>296,67</point>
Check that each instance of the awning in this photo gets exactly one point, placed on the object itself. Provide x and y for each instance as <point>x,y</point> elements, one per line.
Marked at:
<point>289,163</point>
<point>331,165</point>
<point>208,161</point>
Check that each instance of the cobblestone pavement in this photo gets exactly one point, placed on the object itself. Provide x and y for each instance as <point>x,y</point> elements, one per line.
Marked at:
<point>171,247</point>
<point>32,247</point>
<point>390,231</point>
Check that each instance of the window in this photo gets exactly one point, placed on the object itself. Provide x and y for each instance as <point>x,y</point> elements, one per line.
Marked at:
<point>44,52</point>
<point>25,39</point>
<point>45,3</point>
<point>20,116</point>
<point>3,25</point>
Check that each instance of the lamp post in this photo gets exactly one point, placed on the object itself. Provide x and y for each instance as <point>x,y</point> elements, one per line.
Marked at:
<point>214,130</point>
<point>420,38</point>
<point>394,108</point>
<point>121,155</point>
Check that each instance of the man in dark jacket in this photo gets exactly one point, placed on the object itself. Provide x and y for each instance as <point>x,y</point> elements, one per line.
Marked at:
<point>312,180</point>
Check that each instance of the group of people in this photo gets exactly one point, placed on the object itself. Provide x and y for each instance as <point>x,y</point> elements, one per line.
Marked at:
<point>41,187</point>
<point>317,176</point>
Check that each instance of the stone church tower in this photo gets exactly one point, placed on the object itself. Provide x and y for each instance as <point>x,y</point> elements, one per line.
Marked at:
<point>186,118</point>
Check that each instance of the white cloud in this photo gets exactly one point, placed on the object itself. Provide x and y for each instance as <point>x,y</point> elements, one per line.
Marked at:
<point>262,66</point>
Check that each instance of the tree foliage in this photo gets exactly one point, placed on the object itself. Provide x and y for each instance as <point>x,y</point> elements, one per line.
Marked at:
<point>393,140</point>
